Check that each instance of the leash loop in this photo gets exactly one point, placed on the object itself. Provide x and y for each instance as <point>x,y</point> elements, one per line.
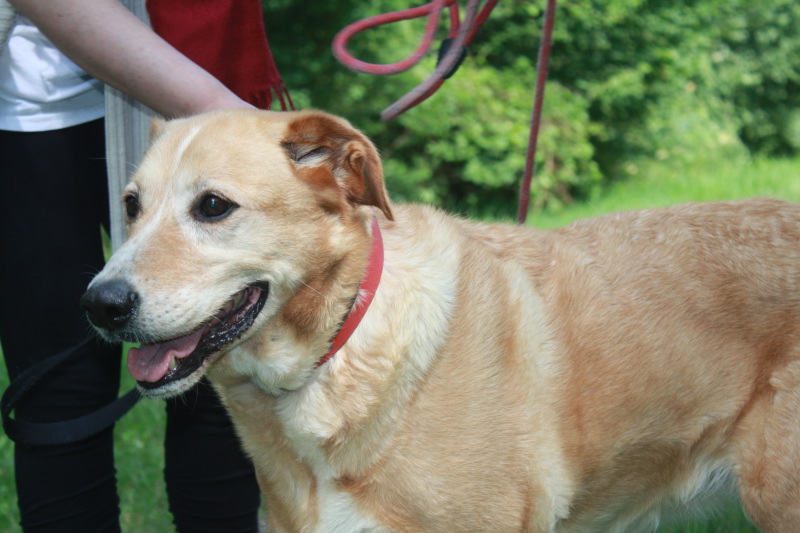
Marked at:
<point>460,35</point>
<point>431,10</point>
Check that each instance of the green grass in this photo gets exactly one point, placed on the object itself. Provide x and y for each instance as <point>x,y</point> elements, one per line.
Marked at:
<point>661,184</point>
<point>139,451</point>
<point>140,435</point>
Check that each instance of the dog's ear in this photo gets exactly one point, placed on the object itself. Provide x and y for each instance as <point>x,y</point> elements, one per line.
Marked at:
<point>330,152</point>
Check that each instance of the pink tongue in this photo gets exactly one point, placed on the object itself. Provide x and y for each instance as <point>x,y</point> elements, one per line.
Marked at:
<point>151,363</point>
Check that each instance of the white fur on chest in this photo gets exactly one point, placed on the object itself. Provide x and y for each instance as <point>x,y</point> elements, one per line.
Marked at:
<point>307,428</point>
<point>338,512</point>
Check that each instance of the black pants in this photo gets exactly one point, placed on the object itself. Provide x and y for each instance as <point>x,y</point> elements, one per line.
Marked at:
<point>54,198</point>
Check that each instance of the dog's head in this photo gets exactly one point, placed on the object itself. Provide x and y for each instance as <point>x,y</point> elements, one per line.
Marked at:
<point>239,222</point>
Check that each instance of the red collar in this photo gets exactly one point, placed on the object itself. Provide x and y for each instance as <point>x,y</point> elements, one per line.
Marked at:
<point>366,291</point>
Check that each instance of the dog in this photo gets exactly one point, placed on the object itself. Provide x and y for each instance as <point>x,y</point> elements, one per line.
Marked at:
<point>391,368</point>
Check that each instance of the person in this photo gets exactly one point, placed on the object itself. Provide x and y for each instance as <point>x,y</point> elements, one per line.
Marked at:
<point>55,181</point>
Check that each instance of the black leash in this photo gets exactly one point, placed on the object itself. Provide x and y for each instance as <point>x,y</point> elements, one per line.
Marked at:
<point>61,432</point>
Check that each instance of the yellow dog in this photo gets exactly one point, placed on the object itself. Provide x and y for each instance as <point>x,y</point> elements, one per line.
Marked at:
<point>488,377</point>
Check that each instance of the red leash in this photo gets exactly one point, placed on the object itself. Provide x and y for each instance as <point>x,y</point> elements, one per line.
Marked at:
<point>451,54</point>
<point>541,77</point>
<point>366,292</point>
<point>431,9</point>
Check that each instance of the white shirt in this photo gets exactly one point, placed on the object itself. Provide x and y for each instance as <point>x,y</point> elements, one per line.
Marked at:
<point>40,88</point>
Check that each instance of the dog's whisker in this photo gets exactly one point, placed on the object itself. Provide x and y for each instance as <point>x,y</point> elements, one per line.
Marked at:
<point>91,270</point>
<point>131,164</point>
<point>312,289</point>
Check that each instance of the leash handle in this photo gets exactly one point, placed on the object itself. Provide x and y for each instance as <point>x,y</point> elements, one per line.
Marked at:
<point>61,432</point>
<point>450,55</point>
<point>431,10</point>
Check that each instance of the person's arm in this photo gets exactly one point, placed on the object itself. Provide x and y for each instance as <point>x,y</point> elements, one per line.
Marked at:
<point>114,46</point>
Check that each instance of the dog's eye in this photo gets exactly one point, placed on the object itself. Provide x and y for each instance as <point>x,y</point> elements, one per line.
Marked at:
<point>316,152</point>
<point>132,207</point>
<point>213,207</point>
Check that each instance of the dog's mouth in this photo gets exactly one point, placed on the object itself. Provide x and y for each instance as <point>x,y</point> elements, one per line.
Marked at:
<point>157,364</point>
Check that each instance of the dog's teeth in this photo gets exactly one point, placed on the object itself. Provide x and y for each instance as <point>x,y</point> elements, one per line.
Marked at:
<point>173,363</point>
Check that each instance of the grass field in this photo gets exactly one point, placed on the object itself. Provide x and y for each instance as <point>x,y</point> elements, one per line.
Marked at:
<point>140,434</point>
<point>660,184</point>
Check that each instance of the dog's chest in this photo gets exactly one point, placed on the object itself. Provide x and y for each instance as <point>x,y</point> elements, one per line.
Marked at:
<point>338,511</point>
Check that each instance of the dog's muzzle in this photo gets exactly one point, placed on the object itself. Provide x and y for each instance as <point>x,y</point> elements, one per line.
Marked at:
<point>112,307</point>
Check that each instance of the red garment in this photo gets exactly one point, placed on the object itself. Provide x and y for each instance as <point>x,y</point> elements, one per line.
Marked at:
<point>227,38</point>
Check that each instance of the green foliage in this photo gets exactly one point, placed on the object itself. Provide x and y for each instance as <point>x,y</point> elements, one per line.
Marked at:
<point>473,143</point>
<point>691,78</point>
<point>629,80</point>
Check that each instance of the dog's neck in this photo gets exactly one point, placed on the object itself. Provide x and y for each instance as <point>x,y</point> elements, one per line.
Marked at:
<point>366,292</point>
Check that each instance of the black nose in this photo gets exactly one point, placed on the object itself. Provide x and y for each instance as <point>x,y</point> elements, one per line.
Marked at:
<point>110,305</point>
